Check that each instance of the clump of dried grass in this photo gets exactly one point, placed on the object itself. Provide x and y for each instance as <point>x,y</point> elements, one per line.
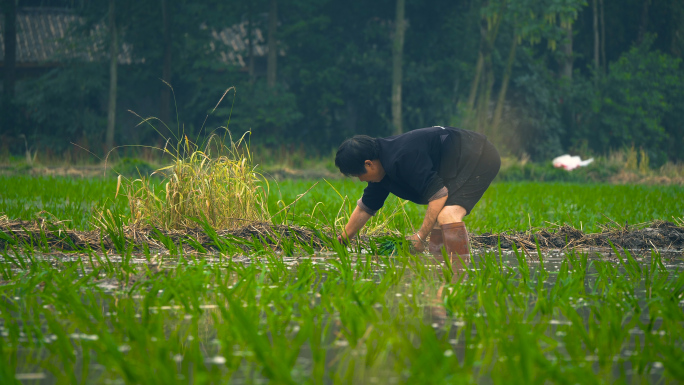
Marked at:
<point>216,185</point>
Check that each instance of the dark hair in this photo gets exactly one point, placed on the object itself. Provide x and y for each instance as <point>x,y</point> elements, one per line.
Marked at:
<point>353,152</point>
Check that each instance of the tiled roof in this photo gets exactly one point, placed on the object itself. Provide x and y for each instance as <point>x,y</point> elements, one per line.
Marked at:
<point>235,38</point>
<point>42,38</point>
<point>39,32</point>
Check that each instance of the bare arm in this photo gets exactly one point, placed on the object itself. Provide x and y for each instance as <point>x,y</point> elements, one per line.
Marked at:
<point>357,220</point>
<point>433,210</point>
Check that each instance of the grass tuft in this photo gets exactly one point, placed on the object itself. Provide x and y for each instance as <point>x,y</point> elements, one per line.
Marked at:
<point>218,184</point>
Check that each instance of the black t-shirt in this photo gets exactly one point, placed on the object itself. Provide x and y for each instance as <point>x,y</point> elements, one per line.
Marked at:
<point>418,162</point>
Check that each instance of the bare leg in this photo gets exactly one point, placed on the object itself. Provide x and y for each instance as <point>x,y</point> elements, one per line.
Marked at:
<point>451,214</point>
<point>454,232</point>
<point>448,214</point>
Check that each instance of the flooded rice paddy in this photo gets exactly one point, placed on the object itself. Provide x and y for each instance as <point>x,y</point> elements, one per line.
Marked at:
<point>577,316</point>
<point>504,317</point>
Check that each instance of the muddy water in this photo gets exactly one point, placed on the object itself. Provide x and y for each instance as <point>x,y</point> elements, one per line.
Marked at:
<point>433,313</point>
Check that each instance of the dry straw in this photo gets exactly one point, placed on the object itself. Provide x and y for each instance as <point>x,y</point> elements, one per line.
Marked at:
<point>218,185</point>
<point>214,184</point>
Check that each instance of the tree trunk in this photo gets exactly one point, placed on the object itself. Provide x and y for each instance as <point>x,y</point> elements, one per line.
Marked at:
<point>504,87</point>
<point>250,42</point>
<point>476,80</point>
<point>567,53</point>
<point>272,64</point>
<point>165,108</point>
<point>485,95</point>
<point>113,59</point>
<point>643,25</point>
<point>603,39</point>
<point>677,43</point>
<point>397,59</point>
<point>481,89</point>
<point>596,37</point>
<point>10,52</point>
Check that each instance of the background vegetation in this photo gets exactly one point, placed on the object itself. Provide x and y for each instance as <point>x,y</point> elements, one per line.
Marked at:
<point>540,77</point>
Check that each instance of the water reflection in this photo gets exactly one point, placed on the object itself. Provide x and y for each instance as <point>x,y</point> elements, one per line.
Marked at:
<point>418,300</point>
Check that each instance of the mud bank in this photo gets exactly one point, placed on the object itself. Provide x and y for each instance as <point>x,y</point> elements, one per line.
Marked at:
<point>660,235</point>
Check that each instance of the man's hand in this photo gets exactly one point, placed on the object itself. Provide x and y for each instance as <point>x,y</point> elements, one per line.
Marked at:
<point>431,214</point>
<point>343,240</point>
<point>357,220</point>
<point>417,243</point>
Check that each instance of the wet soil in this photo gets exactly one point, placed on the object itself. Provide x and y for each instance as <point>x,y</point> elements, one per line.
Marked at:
<point>56,237</point>
<point>661,235</point>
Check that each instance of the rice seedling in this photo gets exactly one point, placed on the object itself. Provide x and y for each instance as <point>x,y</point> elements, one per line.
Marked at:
<point>270,307</point>
<point>358,318</point>
<point>504,207</point>
<point>113,226</point>
<point>71,201</point>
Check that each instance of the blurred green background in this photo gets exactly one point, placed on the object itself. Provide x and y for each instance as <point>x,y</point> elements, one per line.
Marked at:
<point>539,77</point>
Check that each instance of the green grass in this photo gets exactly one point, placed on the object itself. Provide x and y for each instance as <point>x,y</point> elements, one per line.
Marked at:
<point>71,199</point>
<point>570,319</point>
<point>505,206</point>
<point>252,317</point>
<point>519,205</point>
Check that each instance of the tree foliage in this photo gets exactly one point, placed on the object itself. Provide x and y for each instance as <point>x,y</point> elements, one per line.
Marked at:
<point>639,102</point>
<point>489,65</point>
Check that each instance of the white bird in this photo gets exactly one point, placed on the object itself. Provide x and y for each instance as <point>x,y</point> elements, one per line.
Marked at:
<point>570,162</point>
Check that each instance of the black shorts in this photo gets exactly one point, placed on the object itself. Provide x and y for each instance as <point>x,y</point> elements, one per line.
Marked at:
<point>472,190</point>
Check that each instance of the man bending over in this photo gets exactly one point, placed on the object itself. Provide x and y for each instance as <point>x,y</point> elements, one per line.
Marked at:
<point>448,169</point>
